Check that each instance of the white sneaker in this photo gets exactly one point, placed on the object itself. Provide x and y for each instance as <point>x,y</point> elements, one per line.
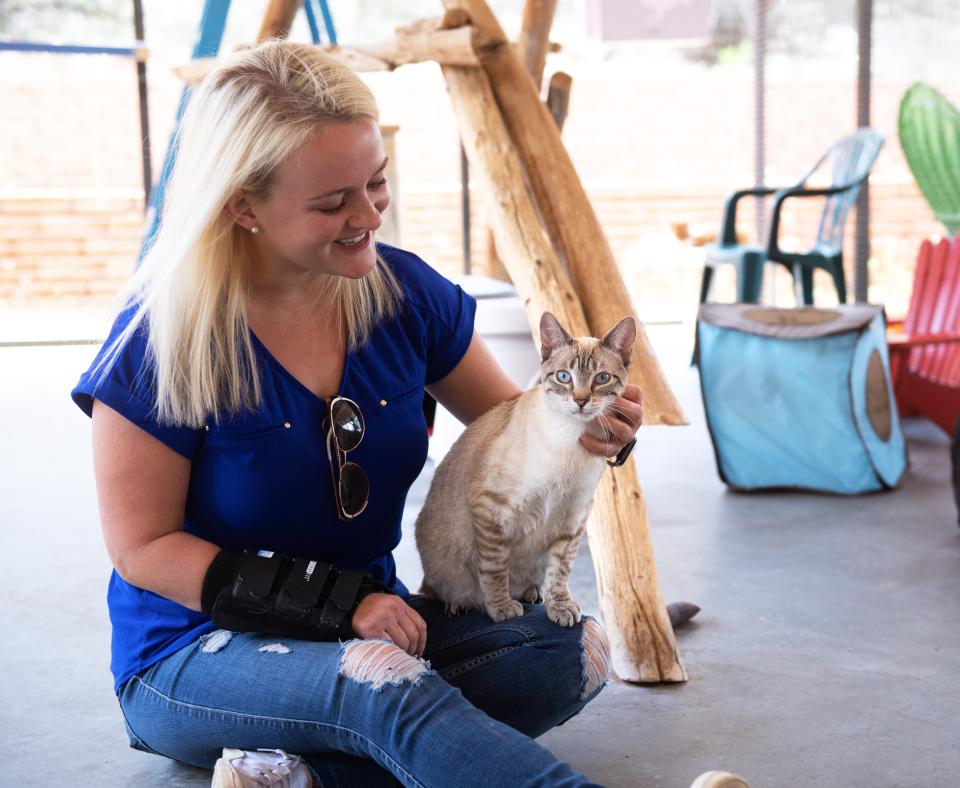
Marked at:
<point>251,769</point>
<point>716,779</point>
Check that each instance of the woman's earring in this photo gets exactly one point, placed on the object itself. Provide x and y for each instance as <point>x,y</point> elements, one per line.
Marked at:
<point>254,229</point>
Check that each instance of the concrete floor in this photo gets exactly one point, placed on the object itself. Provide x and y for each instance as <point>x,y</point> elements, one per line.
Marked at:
<point>827,652</point>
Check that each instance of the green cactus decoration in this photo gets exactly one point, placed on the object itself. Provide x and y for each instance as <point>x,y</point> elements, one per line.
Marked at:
<point>930,138</point>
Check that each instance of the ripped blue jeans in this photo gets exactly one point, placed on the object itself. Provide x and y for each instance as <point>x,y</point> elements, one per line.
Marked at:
<point>366,713</point>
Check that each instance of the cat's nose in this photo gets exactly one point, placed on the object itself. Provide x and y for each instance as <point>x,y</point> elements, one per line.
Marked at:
<point>581,402</point>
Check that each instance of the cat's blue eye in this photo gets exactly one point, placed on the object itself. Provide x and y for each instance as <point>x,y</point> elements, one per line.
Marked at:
<point>602,377</point>
<point>563,376</point>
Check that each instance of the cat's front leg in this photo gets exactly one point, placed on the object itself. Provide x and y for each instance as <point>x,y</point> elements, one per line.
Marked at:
<point>560,607</point>
<point>494,566</point>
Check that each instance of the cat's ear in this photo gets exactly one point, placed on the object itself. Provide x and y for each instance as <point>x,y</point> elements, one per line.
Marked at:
<point>552,335</point>
<point>621,338</point>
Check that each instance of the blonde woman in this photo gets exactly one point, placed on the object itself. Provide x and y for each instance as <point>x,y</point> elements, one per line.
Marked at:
<point>256,425</point>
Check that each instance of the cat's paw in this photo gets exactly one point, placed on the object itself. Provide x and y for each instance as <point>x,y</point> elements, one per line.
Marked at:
<point>566,613</point>
<point>510,609</point>
<point>532,595</point>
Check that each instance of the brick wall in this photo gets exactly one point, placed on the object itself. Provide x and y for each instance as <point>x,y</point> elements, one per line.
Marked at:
<point>651,148</point>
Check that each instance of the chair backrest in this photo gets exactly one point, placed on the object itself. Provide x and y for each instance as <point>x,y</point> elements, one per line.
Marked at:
<point>930,138</point>
<point>846,162</point>
<point>935,310</point>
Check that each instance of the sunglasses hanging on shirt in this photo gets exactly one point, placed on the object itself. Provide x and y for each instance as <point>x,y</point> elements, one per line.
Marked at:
<point>351,488</point>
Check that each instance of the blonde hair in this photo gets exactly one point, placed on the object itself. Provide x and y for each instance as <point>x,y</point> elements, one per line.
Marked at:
<point>243,119</point>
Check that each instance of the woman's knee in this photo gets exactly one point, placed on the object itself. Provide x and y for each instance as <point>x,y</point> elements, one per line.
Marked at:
<point>595,656</point>
<point>579,668</point>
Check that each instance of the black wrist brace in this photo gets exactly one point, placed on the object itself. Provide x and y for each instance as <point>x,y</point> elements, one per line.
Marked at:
<point>271,593</point>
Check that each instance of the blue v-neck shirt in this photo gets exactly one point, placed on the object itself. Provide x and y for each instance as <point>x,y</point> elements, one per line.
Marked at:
<point>262,479</point>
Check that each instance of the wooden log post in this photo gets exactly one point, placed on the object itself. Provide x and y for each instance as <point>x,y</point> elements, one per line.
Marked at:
<point>427,40</point>
<point>277,19</point>
<point>525,249</point>
<point>533,45</point>
<point>643,646</point>
<point>452,17</point>
<point>567,213</point>
<point>558,97</point>
<point>535,36</point>
<point>456,47</point>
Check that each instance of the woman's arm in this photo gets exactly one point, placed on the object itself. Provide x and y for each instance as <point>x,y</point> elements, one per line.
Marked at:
<point>142,490</point>
<point>478,384</point>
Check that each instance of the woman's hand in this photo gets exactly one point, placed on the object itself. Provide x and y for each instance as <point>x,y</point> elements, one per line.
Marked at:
<point>387,616</point>
<point>620,422</point>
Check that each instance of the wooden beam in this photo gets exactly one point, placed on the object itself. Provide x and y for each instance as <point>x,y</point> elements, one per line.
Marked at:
<point>354,59</point>
<point>643,647</point>
<point>453,17</point>
<point>458,47</point>
<point>558,97</point>
<point>455,47</point>
<point>567,213</point>
<point>278,19</point>
<point>535,36</point>
<point>525,250</point>
<point>641,636</point>
<point>533,46</point>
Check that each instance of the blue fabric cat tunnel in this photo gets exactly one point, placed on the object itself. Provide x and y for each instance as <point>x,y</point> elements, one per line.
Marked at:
<point>800,398</point>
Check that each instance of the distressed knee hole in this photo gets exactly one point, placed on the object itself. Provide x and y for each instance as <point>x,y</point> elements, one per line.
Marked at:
<point>596,656</point>
<point>380,662</point>
<point>213,642</point>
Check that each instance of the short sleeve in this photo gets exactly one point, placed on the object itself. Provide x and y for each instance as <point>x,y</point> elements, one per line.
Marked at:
<point>449,336</point>
<point>125,384</point>
<point>447,311</point>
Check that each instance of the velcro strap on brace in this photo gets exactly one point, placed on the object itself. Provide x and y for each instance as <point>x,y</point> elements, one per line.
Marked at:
<point>256,574</point>
<point>306,581</point>
<point>342,595</point>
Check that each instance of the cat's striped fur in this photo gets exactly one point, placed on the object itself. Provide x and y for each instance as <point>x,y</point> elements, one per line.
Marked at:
<point>508,505</point>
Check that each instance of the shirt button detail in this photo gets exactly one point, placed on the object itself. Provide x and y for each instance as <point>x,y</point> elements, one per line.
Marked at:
<point>383,402</point>
<point>286,424</point>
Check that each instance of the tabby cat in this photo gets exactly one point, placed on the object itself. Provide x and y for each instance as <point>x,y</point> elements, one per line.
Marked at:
<point>509,503</point>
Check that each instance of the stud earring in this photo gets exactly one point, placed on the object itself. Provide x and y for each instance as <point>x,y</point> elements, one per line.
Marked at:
<point>254,229</point>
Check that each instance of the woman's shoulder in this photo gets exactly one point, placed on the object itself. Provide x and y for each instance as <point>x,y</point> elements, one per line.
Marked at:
<point>423,286</point>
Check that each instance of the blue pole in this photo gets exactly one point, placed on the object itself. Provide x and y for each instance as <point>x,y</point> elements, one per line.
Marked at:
<point>73,49</point>
<point>312,21</point>
<point>328,21</point>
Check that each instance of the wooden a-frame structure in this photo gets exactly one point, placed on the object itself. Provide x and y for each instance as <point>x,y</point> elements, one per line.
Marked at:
<point>551,244</point>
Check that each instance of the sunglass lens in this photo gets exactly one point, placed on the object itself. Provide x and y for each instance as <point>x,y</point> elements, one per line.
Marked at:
<point>354,489</point>
<point>347,424</point>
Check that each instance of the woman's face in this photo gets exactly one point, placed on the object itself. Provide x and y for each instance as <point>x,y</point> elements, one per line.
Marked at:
<point>324,203</point>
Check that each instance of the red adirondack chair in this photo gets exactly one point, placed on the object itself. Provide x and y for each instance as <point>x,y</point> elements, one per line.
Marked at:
<point>925,346</point>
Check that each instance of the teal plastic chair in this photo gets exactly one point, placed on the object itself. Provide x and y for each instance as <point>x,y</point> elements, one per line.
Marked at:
<point>930,138</point>
<point>845,166</point>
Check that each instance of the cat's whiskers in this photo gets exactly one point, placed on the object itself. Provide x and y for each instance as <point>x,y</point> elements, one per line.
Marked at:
<point>604,424</point>
<point>628,416</point>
